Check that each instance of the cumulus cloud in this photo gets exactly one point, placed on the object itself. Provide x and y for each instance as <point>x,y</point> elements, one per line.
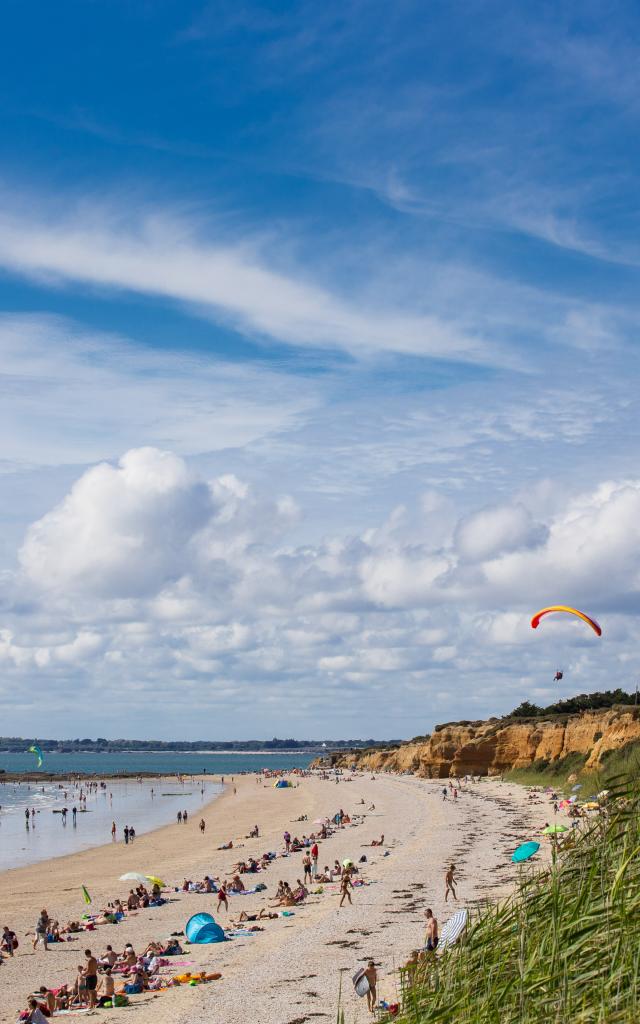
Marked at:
<point>150,577</point>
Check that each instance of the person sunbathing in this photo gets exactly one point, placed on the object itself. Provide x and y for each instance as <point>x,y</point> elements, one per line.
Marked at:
<point>227,846</point>
<point>71,927</point>
<point>378,842</point>
<point>286,899</point>
<point>236,884</point>
<point>133,903</point>
<point>47,1000</point>
<point>109,958</point>
<point>301,892</point>
<point>261,916</point>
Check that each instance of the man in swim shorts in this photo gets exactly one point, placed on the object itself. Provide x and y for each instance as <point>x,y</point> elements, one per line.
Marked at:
<point>91,977</point>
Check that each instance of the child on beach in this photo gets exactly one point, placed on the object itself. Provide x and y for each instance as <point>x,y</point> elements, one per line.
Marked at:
<point>450,882</point>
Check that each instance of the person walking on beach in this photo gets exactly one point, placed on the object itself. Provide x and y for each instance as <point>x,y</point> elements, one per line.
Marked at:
<point>113,831</point>
<point>179,817</point>
<point>345,883</point>
<point>74,812</point>
<point>432,931</point>
<point>132,833</point>
<point>372,977</point>
<point>126,834</point>
<point>222,898</point>
<point>42,927</point>
<point>184,817</point>
<point>450,883</point>
<point>202,825</point>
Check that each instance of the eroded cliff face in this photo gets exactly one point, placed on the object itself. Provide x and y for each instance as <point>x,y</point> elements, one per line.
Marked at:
<point>493,747</point>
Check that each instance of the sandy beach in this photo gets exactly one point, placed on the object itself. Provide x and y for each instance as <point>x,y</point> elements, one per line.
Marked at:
<point>290,971</point>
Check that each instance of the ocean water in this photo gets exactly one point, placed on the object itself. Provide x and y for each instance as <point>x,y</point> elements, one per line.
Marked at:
<point>165,763</point>
<point>145,805</point>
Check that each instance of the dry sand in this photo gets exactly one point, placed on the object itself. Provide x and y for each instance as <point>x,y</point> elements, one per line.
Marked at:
<point>291,971</point>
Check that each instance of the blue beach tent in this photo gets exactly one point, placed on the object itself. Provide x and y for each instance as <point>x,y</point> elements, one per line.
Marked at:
<point>202,928</point>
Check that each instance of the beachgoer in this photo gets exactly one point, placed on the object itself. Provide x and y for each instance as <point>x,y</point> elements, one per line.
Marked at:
<point>222,898</point>
<point>345,884</point>
<point>91,977</point>
<point>287,841</point>
<point>74,812</point>
<point>113,831</point>
<point>372,977</point>
<point>132,833</point>
<point>306,864</point>
<point>35,1015</point>
<point>48,1004</point>
<point>450,883</point>
<point>184,817</point>
<point>179,817</point>
<point>9,941</point>
<point>202,825</point>
<point>42,928</point>
<point>314,859</point>
<point>106,988</point>
<point>432,931</point>
<point>126,834</point>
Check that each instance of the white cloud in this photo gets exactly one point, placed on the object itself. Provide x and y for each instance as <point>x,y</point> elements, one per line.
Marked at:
<point>156,254</point>
<point>153,580</point>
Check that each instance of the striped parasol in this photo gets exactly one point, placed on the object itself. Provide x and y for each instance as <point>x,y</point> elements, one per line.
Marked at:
<point>453,929</point>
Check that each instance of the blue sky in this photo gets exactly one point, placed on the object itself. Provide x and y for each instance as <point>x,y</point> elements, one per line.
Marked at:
<point>318,362</point>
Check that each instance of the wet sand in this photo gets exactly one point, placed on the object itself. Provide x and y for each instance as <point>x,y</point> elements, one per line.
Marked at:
<point>291,971</point>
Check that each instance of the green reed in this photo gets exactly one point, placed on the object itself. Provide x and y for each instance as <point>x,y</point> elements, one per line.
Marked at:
<point>564,949</point>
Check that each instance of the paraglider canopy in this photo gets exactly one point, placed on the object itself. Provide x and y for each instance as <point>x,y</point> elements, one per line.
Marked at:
<point>535,622</point>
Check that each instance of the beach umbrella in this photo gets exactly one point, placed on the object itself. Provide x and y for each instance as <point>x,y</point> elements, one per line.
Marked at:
<point>155,881</point>
<point>453,929</point>
<point>134,876</point>
<point>347,863</point>
<point>524,852</point>
<point>574,789</point>
<point>554,829</point>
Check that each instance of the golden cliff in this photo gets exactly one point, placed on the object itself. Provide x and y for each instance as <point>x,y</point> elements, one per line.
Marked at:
<point>499,745</point>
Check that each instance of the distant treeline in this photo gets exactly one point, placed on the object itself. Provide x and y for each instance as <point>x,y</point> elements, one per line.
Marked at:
<point>18,744</point>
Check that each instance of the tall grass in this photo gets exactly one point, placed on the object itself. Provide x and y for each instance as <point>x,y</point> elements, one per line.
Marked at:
<point>564,949</point>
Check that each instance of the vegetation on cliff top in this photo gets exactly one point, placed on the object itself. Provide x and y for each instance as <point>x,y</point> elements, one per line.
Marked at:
<point>565,947</point>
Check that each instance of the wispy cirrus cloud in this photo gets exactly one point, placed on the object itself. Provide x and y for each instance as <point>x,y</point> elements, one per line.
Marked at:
<point>232,282</point>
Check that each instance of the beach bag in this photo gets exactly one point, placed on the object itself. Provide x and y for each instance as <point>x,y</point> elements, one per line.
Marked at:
<point>120,1000</point>
<point>260,887</point>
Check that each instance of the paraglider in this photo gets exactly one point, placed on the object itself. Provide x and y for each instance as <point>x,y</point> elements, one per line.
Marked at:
<point>535,622</point>
<point>35,749</point>
<point>558,676</point>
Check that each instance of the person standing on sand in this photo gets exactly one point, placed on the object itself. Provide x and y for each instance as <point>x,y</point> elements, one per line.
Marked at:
<point>179,817</point>
<point>222,898</point>
<point>372,977</point>
<point>314,859</point>
<point>450,881</point>
<point>306,863</point>
<point>202,825</point>
<point>345,884</point>
<point>42,927</point>
<point>287,841</point>
<point>184,817</point>
<point>91,978</point>
<point>113,831</point>
<point>126,834</point>
<point>432,931</point>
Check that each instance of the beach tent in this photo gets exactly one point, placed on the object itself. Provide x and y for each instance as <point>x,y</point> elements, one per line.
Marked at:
<point>202,928</point>
<point>281,784</point>
<point>453,929</point>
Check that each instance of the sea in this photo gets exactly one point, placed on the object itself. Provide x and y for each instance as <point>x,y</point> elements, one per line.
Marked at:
<point>145,804</point>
